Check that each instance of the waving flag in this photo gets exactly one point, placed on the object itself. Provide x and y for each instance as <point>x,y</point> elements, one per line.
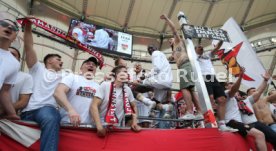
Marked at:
<point>239,54</point>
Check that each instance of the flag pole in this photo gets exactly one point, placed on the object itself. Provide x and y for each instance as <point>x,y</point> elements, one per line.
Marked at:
<point>199,82</point>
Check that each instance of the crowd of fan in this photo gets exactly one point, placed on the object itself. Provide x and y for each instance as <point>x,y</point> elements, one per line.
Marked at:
<point>50,98</point>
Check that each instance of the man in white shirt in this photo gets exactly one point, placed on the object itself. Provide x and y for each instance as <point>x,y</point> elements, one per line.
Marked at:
<point>77,33</point>
<point>101,39</point>
<point>22,90</point>
<point>247,112</point>
<point>114,101</point>
<point>42,107</point>
<point>9,66</point>
<point>75,94</point>
<point>233,116</point>
<point>215,90</point>
<point>161,81</point>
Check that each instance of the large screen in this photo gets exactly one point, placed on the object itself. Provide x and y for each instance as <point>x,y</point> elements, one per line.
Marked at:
<point>107,40</point>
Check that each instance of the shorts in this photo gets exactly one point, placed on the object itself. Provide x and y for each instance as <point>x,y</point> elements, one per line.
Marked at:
<point>243,128</point>
<point>213,86</point>
<point>186,76</point>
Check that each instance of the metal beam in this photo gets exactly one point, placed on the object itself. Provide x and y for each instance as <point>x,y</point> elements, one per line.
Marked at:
<point>84,9</point>
<point>128,15</point>
<point>247,11</point>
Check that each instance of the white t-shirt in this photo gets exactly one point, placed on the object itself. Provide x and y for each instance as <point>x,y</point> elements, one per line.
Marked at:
<point>205,63</point>
<point>79,32</point>
<point>104,92</point>
<point>248,119</point>
<point>162,73</point>
<point>9,67</point>
<point>232,111</point>
<point>23,85</point>
<point>80,96</point>
<point>45,83</point>
<point>101,39</point>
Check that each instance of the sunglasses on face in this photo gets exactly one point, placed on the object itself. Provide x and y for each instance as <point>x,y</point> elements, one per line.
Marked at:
<point>6,24</point>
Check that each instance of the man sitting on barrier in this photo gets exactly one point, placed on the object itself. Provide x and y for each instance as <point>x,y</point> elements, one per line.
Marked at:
<point>75,94</point>
<point>233,116</point>
<point>113,102</point>
<point>22,90</point>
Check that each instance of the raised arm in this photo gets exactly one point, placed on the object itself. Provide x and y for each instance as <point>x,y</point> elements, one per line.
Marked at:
<point>172,26</point>
<point>235,88</point>
<point>61,98</point>
<point>256,95</point>
<point>95,114</point>
<point>31,57</point>
<point>217,47</point>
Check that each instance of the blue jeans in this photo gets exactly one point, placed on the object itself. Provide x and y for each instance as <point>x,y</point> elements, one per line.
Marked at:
<point>48,119</point>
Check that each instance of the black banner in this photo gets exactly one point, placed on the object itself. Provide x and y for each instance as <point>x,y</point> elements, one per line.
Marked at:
<point>191,31</point>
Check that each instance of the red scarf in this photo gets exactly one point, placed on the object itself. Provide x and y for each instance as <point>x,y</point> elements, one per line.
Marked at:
<point>244,109</point>
<point>110,116</point>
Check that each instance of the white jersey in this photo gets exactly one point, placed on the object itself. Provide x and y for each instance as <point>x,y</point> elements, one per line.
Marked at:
<point>248,119</point>
<point>23,85</point>
<point>45,83</point>
<point>101,39</point>
<point>80,96</point>
<point>205,63</point>
<point>104,92</point>
<point>9,67</point>
<point>232,109</point>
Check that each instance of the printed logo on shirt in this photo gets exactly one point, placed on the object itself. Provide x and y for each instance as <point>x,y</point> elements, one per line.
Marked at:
<point>87,92</point>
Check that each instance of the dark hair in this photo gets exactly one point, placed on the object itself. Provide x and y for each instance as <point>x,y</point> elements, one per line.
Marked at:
<point>247,91</point>
<point>18,52</point>
<point>242,93</point>
<point>116,63</point>
<point>117,69</point>
<point>48,56</point>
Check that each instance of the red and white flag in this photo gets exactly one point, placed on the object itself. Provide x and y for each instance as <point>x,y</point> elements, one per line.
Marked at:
<point>238,53</point>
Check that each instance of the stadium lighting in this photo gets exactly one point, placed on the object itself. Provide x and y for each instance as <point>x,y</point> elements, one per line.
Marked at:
<point>273,40</point>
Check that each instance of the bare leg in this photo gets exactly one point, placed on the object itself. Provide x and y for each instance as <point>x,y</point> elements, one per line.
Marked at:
<point>221,107</point>
<point>259,139</point>
<point>196,102</point>
<point>188,99</point>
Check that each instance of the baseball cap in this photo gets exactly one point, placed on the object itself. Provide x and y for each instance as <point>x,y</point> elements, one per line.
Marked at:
<point>92,59</point>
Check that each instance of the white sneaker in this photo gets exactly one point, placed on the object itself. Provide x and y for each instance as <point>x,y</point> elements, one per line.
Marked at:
<point>225,128</point>
<point>187,116</point>
<point>199,117</point>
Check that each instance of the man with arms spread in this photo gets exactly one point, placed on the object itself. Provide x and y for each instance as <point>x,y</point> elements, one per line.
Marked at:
<point>215,90</point>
